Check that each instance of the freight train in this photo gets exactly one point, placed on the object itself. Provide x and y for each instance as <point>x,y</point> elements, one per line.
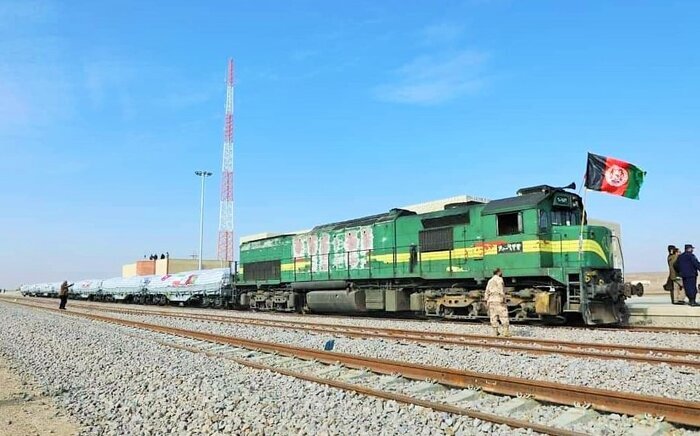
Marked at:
<point>209,288</point>
<point>556,267</point>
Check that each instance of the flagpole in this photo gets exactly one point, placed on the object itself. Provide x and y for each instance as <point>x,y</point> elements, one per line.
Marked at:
<point>583,220</point>
<point>584,200</point>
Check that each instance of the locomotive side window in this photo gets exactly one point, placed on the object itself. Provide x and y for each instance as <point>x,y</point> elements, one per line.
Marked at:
<point>509,223</point>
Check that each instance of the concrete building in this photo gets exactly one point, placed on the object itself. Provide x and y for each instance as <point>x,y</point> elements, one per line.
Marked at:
<point>167,266</point>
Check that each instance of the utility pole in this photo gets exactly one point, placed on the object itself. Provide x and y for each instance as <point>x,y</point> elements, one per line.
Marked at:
<point>203,175</point>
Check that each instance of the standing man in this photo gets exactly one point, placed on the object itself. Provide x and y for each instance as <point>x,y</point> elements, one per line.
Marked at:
<point>688,266</point>
<point>495,297</point>
<point>671,250</point>
<point>673,282</point>
<point>63,294</point>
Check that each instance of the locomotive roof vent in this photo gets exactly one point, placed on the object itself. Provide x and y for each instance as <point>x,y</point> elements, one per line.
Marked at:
<point>544,188</point>
<point>459,204</point>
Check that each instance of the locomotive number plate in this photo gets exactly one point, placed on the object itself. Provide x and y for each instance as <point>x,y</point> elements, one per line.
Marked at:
<point>513,247</point>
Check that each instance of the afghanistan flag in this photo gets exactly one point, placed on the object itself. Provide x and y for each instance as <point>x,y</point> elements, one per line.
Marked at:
<point>613,176</point>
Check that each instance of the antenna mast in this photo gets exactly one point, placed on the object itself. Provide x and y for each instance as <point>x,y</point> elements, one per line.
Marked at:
<point>225,251</point>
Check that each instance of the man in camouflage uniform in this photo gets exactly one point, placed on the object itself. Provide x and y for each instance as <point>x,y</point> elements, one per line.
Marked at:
<point>495,297</point>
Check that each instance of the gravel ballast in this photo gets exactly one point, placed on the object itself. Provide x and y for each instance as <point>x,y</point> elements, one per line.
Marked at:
<point>115,383</point>
<point>619,375</point>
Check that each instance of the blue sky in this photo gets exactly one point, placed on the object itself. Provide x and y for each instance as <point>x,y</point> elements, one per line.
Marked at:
<point>342,109</point>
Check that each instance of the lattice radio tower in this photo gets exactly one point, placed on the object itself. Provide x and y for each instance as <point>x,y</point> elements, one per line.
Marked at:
<point>225,251</point>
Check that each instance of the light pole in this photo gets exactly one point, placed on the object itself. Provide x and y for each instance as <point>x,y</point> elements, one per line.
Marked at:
<point>203,175</point>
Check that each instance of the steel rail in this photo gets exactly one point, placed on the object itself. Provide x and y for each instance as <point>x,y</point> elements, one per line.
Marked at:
<point>673,410</point>
<point>630,328</point>
<point>440,407</point>
<point>640,354</point>
<point>653,329</point>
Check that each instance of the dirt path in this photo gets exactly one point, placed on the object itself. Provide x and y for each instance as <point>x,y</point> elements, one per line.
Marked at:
<point>23,411</point>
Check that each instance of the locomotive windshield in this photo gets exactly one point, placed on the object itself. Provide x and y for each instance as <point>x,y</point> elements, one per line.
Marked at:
<point>565,217</point>
<point>559,217</point>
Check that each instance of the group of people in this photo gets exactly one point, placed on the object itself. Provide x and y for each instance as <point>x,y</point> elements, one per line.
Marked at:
<point>682,275</point>
<point>155,256</point>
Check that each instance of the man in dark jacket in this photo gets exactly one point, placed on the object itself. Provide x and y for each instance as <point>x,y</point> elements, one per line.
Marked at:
<point>63,294</point>
<point>688,266</point>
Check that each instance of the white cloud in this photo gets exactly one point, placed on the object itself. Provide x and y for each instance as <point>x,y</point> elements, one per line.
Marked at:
<point>24,12</point>
<point>104,77</point>
<point>300,55</point>
<point>433,79</point>
<point>32,93</point>
<point>442,33</point>
<point>14,107</point>
<point>36,88</point>
<point>187,98</point>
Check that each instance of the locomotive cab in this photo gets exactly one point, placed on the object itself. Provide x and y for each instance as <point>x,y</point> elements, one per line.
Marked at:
<point>594,285</point>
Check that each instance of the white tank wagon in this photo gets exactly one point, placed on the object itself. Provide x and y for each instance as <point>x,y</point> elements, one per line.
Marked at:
<point>123,289</point>
<point>48,289</point>
<point>205,287</point>
<point>30,290</point>
<point>85,289</point>
<point>41,289</point>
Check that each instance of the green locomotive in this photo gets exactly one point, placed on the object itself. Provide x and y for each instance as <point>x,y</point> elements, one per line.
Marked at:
<point>436,264</point>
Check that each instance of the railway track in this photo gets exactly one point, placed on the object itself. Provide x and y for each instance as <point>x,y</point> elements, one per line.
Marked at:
<point>651,329</point>
<point>640,354</point>
<point>636,328</point>
<point>341,370</point>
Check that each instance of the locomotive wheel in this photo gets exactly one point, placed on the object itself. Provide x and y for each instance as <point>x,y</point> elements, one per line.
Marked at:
<point>554,319</point>
<point>473,312</point>
<point>521,315</point>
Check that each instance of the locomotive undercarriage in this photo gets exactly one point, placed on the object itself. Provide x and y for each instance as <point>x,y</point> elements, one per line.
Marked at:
<point>598,300</point>
<point>447,303</point>
<point>601,296</point>
<point>530,304</point>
